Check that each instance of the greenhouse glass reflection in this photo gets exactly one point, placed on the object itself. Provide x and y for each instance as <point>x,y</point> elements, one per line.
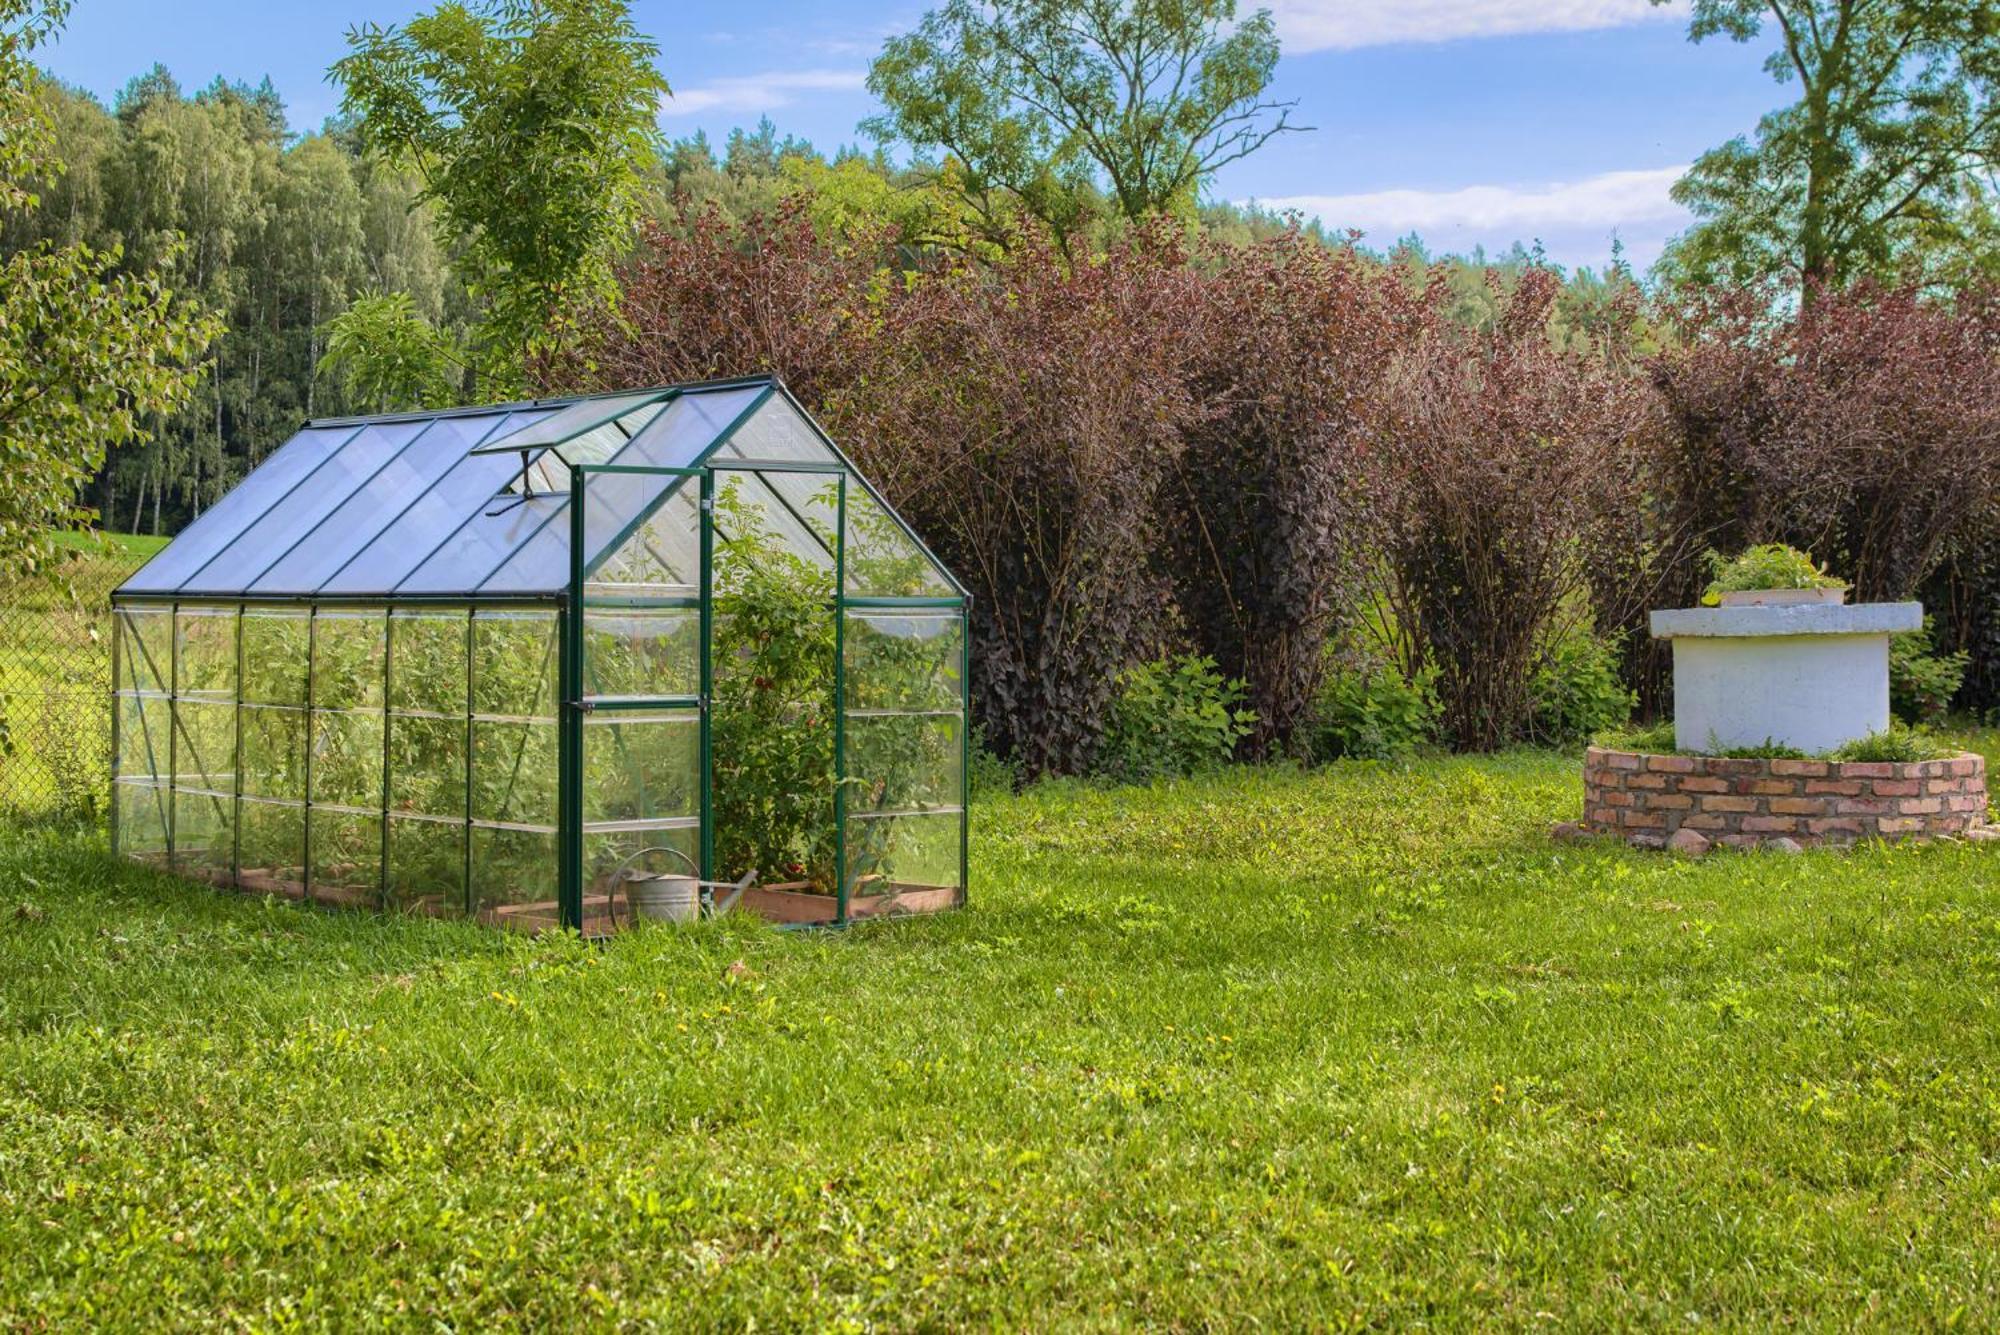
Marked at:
<point>552,664</point>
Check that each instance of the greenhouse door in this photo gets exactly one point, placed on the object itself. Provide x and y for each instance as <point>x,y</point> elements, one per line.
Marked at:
<point>770,541</point>
<point>633,671</point>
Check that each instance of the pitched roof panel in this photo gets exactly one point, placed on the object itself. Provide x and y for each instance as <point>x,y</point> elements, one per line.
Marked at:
<point>351,528</point>
<point>245,504</point>
<point>425,504</point>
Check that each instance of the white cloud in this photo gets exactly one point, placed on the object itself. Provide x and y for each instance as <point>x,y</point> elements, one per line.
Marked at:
<point>1610,200</point>
<point>760,92</point>
<point>1339,25</point>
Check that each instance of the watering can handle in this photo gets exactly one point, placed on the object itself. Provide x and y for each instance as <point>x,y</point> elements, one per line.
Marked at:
<point>722,906</point>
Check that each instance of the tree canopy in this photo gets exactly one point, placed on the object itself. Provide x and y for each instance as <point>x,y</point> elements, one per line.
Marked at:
<point>87,355</point>
<point>1040,103</point>
<point>530,123</point>
<point>1883,162</point>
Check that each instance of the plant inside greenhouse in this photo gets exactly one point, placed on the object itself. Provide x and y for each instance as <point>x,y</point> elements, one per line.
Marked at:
<point>543,663</point>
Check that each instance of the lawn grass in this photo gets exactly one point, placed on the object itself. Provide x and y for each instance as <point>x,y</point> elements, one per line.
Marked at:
<point>1350,1048</point>
<point>124,545</point>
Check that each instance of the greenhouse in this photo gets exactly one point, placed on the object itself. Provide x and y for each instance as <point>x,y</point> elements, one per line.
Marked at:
<point>540,663</point>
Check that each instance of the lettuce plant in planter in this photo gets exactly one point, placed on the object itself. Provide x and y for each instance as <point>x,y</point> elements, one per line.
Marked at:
<point>1770,575</point>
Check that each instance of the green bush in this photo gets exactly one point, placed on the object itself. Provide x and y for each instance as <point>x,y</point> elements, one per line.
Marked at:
<point>992,774</point>
<point>1897,745</point>
<point>1922,682</point>
<point>1764,750</point>
<point>1577,691</point>
<point>1171,717</point>
<point>1771,566</point>
<point>1374,712</point>
<point>1654,739</point>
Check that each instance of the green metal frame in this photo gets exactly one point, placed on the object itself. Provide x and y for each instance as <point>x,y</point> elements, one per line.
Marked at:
<point>705,522</point>
<point>388,752</point>
<point>965,752</point>
<point>842,881</point>
<point>236,776</point>
<point>471,659</point>
<point>842,884</point>
<point>499,420</point>
<point>569,741</point>
<point>163,788</point>
<point>118,708</point>
<point>647,399</point>
<point>167,791</point>
<point>867,487</point>
<point>696,470</point>
<point>321,522</point>
<point>311,725</point>
<point>576,707</point>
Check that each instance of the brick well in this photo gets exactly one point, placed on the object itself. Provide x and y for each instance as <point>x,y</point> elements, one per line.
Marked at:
<point>1646,798</point>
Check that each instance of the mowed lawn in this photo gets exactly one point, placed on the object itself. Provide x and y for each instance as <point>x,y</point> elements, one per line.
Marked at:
<point>1358,1047</point>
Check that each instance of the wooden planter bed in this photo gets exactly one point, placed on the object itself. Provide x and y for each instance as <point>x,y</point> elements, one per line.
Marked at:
<point>603,913</point>
<point>794,903</point>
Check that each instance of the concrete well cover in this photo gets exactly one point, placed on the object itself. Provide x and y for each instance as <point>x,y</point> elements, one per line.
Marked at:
<point>1813,677</point>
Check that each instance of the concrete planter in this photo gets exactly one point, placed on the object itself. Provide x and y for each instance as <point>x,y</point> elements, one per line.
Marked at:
<point>1784,597</point>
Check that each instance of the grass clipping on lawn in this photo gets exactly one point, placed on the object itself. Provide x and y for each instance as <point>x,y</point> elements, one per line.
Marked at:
<point>1350,1047</point>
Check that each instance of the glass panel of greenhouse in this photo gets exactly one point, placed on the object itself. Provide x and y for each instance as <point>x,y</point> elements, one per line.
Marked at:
<point>575,663</point>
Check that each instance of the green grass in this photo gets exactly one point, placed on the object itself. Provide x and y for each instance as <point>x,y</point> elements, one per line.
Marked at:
<point>1356,1047</point>
<point>1898,744</point>
<point>120,544</point>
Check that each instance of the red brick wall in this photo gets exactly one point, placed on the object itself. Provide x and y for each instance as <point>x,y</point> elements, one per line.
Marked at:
<point>1645,798</point>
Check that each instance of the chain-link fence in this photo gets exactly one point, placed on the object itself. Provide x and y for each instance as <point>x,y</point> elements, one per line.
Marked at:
<point>55,687</point>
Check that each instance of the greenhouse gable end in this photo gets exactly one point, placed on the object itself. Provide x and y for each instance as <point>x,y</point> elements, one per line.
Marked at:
<point>533,662</point>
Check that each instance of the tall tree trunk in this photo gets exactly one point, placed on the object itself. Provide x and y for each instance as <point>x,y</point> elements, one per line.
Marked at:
<point>1817,262</point>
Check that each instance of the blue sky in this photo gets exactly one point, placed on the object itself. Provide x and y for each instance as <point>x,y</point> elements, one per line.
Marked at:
<point>1471,122</point>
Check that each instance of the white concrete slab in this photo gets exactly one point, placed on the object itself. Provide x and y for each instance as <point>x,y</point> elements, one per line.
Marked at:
<point>1801,619</point>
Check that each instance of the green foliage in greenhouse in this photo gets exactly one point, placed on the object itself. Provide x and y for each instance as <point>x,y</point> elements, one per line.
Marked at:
<point>773,724</point>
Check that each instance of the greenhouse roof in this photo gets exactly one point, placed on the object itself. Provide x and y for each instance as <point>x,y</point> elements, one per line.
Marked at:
<point>471,502</point>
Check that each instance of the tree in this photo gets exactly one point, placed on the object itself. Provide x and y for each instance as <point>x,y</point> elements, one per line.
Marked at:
<point>275,232</point>
<point>1507,462</point>
<point>73,193</point>
<point>1038,101</point>
<point>1266,508</point>
<point>191,186</point>
<point>389,356</point>
<point>26,131</point>
<point>1866,430</point>
<point>315,239</point>
<point>723,299</point>
<point>530,122</point>
<point>86,356</point>
<point>1024,418</point>
<point>1879,161</point>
